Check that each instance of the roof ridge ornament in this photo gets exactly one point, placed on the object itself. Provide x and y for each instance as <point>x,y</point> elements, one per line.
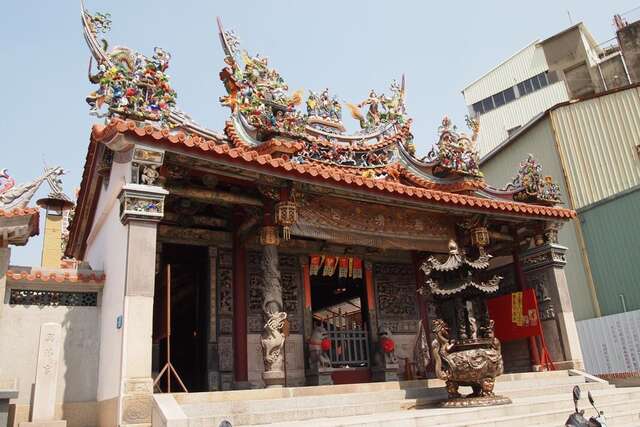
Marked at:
<point>18,197</point>
<point>530,185</point>
<point>259,98</point>
<point>456,152</point>
<point>131,85</point>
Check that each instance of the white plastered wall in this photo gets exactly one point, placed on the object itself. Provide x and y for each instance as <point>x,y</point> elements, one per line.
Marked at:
<point>106,250</point>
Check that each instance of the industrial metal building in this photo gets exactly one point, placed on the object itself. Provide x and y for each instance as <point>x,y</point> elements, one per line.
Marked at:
<point>590,146</point>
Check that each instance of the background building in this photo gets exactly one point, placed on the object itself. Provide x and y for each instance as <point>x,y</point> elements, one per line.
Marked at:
<point>590,147</point>
<point>567,65</point>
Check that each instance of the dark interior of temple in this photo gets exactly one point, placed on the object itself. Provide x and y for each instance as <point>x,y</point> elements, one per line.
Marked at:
<point>189,315</point>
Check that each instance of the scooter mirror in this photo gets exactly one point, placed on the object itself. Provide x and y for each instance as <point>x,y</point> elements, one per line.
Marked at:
<point>576,394</point>
<point>590,397</point>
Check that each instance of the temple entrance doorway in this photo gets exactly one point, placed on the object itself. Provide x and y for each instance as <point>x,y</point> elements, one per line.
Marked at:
<point>339,305</point>
<point>189,315</point>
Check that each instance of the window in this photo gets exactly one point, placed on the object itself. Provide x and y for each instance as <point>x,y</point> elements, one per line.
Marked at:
<point>477,107</point>
<point>542,78</point>
<point>535,83</point>
<point>487,104</point>
<point>498,99</point>
<point>509,95</point>
<point>527,88</point>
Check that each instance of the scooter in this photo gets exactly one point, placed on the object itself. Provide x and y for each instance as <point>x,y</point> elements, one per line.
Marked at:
<point>577,419</point>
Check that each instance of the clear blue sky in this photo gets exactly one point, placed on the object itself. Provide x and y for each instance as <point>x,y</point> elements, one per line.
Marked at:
<point>348,46</point>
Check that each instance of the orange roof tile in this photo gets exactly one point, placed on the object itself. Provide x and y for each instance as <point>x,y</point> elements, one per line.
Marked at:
<point>58,276</point>
<point>19,212</point>
<point>338,174</point>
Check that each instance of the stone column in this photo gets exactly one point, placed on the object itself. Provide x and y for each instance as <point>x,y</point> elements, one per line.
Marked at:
<point>5,256</point>
<point>273,336</point>
<point>141,208</point>
<point>544,268</point>
<point>213,367</point>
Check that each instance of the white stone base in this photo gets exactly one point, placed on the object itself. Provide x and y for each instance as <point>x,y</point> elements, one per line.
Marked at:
<point>56,423</point>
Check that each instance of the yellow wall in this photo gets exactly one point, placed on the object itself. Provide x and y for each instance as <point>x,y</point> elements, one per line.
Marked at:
<point>51,247</point>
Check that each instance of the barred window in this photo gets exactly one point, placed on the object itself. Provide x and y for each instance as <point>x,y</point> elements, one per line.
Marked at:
<point>53,298</point>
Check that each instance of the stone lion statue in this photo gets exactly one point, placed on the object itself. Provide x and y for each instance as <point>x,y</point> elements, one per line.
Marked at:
<point>318,358</point>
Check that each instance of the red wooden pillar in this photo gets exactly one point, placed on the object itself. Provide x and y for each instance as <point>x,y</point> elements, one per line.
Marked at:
<point>306,282</point>
<point>371,303</point>
<point>534,353</point>
<point>240,365</point>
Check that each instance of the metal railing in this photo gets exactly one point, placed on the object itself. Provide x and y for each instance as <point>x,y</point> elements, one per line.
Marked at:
<point>349,348</point>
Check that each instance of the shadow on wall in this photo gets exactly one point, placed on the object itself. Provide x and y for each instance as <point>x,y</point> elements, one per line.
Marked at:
<point>80,356</point>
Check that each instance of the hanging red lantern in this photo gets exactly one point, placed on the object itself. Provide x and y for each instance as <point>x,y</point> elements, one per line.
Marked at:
<point>325,345</point>
<point>388,345</point>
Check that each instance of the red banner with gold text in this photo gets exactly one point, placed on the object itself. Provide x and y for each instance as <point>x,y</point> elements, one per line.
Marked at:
<point>515,315</point>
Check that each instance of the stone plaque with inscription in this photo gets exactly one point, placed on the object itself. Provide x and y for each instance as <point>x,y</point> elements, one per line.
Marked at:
<point>44,395</point>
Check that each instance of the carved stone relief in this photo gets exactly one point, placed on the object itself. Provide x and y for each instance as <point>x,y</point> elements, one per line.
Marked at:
<point>395,286</point>
<point>225,282</point>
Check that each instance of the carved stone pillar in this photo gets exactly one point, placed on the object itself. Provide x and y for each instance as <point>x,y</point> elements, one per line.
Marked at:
<point>141,207</point>
<point>543,266</point>
<point>213,368</point>
<point>5,256</point>
<point>273,336</point>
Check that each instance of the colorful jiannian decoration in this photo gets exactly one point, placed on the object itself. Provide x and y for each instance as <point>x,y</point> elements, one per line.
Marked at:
<point>530,185</point>
<point>455,153</point>
<point>381,109</point>
<point>130,85</point>
<point>324,112</point>
<point>261,97</point>
<point>256,91</point>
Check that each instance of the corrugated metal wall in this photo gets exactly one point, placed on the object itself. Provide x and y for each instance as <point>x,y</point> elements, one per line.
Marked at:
<point>495,123</point>
<point>523,65</point>
<point>598,139</point>
<point>611,344</point>
<point>612,237</point>
<point>538,140</point>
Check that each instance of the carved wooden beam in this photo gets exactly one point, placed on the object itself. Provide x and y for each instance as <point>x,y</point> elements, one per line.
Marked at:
<point>214,196</point>
<point>197,219</point>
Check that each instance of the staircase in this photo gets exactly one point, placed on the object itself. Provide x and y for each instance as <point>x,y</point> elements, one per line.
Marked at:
<point>541,399</point>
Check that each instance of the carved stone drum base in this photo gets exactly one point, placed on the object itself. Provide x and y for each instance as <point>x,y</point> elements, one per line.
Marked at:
<point>273,379</point>
<point>320,377</point>
<point>475,401</point>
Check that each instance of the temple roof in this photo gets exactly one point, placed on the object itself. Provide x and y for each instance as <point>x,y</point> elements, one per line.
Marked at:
<point>268,133</point>
<point>250,157</point>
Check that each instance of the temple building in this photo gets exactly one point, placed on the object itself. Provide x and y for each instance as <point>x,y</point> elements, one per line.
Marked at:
<point>281,250</point>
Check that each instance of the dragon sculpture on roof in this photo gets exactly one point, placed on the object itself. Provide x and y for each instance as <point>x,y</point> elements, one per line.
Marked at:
<point>268,117</point>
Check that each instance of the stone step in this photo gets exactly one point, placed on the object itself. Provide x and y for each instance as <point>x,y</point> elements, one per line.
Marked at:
<point>523,408</point>
<point>287,392</point>
<point>421,397</point>
<point>554,417</point>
